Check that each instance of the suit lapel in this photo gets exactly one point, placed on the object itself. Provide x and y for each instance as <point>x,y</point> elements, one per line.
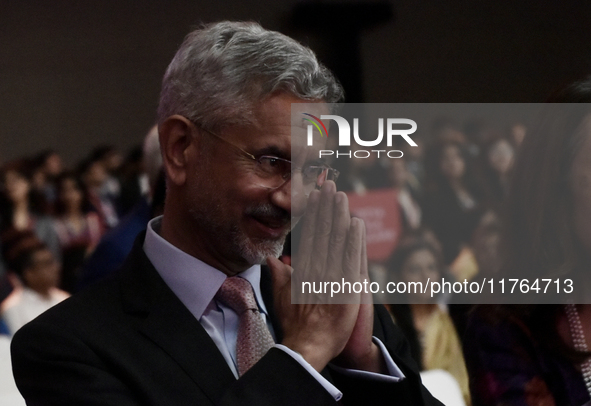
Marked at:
<point>267,293</point>
<point>169,324</point>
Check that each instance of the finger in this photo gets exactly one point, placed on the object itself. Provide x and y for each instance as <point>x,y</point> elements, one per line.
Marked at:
<point>302,260</point>
<point>280,273</point>
<point>338,237</point>
<point>323,227</point>
<point>352,256</point>
<point>367,297</point>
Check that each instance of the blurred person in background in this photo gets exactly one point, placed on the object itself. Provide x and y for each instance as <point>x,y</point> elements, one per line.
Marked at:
<point>111,159</point>
<point>42,191</point>
<point>482,260</point>
<point>95,176</point>
<point>425,321</point>
<point>518,131</point>
<point>77,225</point>
<point>538,354</point>
<point>452,199</point>
<point>415,162</point>
<point>52,163</point>
<point>118,242</point>
<point>408,200</point>
<point>498,156</point>
<point>20,209</point>
<point>39,273</point>
<point>48,166</point>
<point>134,181</point>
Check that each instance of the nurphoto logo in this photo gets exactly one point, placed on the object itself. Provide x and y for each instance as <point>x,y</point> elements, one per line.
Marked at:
<point>394,127</point>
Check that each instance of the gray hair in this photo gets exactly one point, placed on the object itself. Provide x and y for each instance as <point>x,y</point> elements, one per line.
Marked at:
<point>152,158</point>
<point>223,69</point>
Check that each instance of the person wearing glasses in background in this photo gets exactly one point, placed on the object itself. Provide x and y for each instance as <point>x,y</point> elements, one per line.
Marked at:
<point>192,317</point>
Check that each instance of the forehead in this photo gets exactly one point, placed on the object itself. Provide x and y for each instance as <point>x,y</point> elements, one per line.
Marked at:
<point>42,255</point>
<point>69,183</point>
<point>12,175</point>
<point>450,150</point>
<point>501,145</point>
<point>279,123</point>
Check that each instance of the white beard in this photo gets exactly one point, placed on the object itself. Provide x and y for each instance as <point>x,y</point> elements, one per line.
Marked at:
<point>256,252</point>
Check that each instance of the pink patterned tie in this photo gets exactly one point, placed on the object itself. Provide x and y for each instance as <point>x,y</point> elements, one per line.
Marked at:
<point>253,339</point>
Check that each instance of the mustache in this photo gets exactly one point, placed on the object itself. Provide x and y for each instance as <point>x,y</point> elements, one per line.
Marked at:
<point>269,212</point>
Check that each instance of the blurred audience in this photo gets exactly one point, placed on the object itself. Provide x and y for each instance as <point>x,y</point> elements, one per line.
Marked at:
<point>70,210</point>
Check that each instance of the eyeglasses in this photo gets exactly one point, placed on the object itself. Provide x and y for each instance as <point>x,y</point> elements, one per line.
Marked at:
<point>274,172</point>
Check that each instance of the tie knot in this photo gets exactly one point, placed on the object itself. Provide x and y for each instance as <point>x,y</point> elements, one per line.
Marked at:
<point>237,294</point>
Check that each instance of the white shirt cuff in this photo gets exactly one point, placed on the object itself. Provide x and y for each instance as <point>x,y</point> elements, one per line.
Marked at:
<point>394,373</point>
<point>330,388</point>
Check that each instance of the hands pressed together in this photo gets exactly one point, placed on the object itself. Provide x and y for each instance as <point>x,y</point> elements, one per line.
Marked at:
<point>332,248</point>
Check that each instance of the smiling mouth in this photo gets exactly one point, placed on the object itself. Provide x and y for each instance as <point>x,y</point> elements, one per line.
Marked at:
<point>273,227</point>
<point>270,217</point>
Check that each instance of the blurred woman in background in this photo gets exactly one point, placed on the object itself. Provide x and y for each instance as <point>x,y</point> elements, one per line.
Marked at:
<point>78,228</point>
<point>425,321</point>
<point>499,153</point>
<point>452,207</point>
<point>538,354</point>
<point>408,201</point>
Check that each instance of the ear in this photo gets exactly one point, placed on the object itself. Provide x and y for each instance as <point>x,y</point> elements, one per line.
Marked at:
<point>176,140</point>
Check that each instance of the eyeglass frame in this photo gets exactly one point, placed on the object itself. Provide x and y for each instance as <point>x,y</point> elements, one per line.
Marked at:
<point>285,177</point>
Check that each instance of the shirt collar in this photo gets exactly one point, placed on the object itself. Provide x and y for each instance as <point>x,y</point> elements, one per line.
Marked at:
<point>193,281</point>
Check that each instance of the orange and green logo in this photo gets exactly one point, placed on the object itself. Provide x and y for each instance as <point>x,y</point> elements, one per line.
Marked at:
<point>316,125</point>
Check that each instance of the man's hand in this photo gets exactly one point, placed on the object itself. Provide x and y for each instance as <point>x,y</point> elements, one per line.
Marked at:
<point>360,352</point>
<point>331,248</point>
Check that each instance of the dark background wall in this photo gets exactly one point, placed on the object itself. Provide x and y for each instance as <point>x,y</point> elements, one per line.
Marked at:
<point>74,74</point>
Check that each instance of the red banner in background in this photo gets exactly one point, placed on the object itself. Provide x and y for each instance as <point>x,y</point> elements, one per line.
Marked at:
<point>380,211</point>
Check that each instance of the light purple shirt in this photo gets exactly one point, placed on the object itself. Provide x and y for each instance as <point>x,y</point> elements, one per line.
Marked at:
<point>195,284</point>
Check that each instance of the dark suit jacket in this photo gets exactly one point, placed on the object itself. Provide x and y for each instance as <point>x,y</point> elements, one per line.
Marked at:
<point>130,341</point>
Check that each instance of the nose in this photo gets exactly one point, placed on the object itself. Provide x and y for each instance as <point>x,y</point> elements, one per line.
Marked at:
<point>291,196</point>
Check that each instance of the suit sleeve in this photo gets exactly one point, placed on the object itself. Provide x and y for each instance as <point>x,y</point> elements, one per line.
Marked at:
<point>277,380</point>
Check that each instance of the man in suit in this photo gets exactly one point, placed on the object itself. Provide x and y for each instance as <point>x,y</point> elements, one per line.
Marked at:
<point>166,329</point>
